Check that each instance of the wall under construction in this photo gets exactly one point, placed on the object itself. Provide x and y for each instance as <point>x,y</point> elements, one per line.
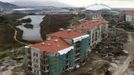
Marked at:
<point>60,63</point>
<point>55,63</point>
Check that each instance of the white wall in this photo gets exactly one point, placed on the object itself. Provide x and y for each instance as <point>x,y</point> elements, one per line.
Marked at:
<point>35,59</point>
<point>128,18</point>
<point>93,38</point>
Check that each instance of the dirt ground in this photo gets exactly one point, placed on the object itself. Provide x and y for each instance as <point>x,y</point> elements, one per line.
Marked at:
<point>130,48</point>
<point>102,59</point>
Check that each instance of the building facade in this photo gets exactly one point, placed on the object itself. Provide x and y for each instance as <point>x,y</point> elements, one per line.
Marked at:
<point>65,49</point>
<point>57,54</point>
<point>94,28</point>
<point>130,18</point>
<point>78,40</point>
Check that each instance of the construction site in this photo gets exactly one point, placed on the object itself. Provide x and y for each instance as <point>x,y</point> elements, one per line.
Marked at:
<point>112,56</point>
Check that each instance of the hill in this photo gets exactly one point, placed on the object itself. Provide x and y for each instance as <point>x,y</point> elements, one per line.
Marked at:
<point>37,3</point>
<point>5,5</point>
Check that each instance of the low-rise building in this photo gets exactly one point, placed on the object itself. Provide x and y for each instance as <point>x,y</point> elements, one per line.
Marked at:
<point>63,50</point>
<point>130,18</point>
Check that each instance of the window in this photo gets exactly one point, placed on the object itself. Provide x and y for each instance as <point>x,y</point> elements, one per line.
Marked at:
<point>78,44</point>
<point>36,61</point>
<point>35,65</point>
<point>89,32</point>
<point>47,67</point>
<point>96,35</point>
<point>36,54</point>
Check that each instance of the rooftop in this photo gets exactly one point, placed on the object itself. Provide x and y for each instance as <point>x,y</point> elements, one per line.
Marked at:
<point>54,45</point>
<point>67,34</point>
<point>91,24</point>
<point>130,12</point>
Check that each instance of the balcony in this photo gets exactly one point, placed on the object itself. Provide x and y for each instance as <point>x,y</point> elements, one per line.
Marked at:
<point>78,44</point>
<point>78,50</point>
<point>46,71</point>
<point>77,54</point>
<point>77,61</point>
<point>43,58</point>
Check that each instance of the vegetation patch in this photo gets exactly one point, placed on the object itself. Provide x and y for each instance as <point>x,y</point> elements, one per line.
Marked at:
<point>28,25</point>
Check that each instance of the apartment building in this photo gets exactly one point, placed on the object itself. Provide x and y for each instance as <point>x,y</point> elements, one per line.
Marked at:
<point>95,28</point>
<point>78,40</point>
<point>63,50</point>
<point>130,18</point>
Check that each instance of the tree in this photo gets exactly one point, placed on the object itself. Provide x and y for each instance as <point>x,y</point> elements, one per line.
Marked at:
<point>28,20</point>
<point>75,21</point>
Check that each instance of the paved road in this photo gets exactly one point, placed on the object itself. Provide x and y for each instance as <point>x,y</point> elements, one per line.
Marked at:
<point>130,48</point>
<point>15,35</point>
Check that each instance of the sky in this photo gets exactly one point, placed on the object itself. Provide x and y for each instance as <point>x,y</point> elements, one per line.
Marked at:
<point>86,3</point>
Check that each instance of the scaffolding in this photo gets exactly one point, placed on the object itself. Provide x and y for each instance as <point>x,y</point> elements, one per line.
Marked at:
<point>56,64</point>
<point>85,48</point>
<point>60,63</point>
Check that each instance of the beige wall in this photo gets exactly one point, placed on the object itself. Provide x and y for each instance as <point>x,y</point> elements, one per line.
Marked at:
<point>35,59</point>
<point>95,34</point>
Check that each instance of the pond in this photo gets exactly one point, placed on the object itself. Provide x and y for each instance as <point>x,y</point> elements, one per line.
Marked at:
<point>32,34</point>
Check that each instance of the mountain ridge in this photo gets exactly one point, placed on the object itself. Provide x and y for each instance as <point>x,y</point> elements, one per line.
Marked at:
<point>6,5</point>
<point>36,4</point>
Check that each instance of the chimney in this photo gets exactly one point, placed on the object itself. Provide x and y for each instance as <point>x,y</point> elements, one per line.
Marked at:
<point>48,44</point>
<point>49,38</point>
<point>27,47</point>
<point>69,30</point>
<point>61,29</point>
<point>56,40</point>
<point>42,43</point>
<point>58,45</point>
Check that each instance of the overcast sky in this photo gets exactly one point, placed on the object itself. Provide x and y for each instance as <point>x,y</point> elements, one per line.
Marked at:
<point>85,3</point>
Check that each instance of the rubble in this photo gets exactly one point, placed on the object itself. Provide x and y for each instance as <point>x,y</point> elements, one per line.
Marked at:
<point>11,63</point>
<point>107,55</point>
<point>112,45</point>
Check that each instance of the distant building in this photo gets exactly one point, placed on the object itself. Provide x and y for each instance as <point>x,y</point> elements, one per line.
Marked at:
<point>64,50</point>
<point>130,18</point>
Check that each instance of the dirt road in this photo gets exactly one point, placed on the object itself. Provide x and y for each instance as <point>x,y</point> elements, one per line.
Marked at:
<point>130,48</point>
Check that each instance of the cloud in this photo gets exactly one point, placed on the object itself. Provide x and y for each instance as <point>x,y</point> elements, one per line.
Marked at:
<point>78,3</point>
<point>111,3</point>
<point>82,3</point>
<point>119,3</point>
<point>7,0</point>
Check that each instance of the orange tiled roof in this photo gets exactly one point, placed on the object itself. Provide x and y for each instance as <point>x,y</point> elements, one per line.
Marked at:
<point>91,24</point>
<point>130,12</point>
<point>53,45</point>
<point>67,34</point>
